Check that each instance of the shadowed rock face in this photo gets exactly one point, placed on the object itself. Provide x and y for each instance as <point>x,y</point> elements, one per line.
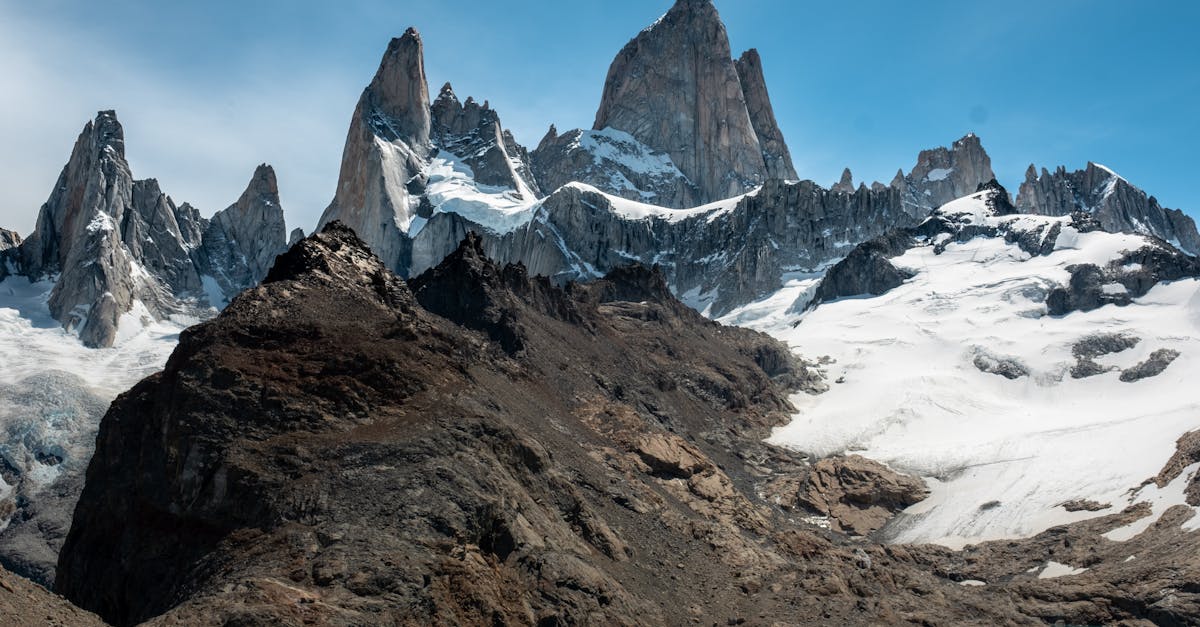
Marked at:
<point>339,447</point>
<point>241,242</point>
<point>10,243</point>
<point>676,88</point>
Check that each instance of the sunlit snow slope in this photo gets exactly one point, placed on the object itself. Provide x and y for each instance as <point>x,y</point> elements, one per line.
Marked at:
<point>1001,455</point>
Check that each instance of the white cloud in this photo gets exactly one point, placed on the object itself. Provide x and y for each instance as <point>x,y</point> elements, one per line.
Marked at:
<point>200,139</point>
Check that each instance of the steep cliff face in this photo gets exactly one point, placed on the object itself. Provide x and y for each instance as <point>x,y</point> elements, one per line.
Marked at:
<point>676,88</point>
<point>1114,202</point>
<point>119,248</point>
<point>717,256</point>
<point>387,147</point>
<point>79,236</point>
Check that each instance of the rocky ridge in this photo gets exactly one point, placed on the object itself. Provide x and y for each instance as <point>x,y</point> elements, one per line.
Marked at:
<point>1114,202</point>
<point>482,446</point>
<point>867,269</point>
<point>474,132</point>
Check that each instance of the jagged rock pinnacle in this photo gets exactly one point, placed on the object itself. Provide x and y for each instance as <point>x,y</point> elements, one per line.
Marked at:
<point>400,90</point>
<point>387,146</point>
<point>244,239</point>
<point>846,184</point>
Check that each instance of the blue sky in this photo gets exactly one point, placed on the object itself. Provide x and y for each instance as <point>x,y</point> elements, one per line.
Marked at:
<point>207,90</point>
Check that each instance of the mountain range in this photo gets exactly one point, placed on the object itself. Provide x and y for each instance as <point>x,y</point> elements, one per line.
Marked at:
<point>494,385</point>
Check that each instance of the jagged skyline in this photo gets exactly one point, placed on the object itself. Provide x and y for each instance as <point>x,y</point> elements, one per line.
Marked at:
<point>202,115</point>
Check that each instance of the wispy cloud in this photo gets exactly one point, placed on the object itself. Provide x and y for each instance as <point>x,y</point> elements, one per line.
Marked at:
<point>201,140</point>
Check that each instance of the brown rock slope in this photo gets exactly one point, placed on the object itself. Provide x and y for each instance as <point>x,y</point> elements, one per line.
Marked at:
<point>480,447</point>
<point>24,603</point>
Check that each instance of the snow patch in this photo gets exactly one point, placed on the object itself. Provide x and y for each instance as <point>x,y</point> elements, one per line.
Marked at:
<point>1160,500</point>
<point>32,341</point>
<point>938,174</point>
<point>452,188</point>
<point>633,210</point>
<point>623,149</point>
<point>1054,570</point>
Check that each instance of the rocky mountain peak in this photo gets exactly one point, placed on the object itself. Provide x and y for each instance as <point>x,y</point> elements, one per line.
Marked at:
<point>470,289</point>
<point>399,93</point>
<point>96,178</point>
<point>108,132</point>
<point>676,89</point>
<point>241,242</point>
<point>703,8</point>
<point>114,242</point>
<point>473,133</point>
<point>846,184</point>
<point>334,256</point>
<point>263,187</point>
<point>387,148</point>
<point>635,283</point>
<point>945,174</point>
<point>9,239</point>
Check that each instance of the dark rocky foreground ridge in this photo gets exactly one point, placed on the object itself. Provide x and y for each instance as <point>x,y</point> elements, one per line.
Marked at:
<point>477,446</point>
